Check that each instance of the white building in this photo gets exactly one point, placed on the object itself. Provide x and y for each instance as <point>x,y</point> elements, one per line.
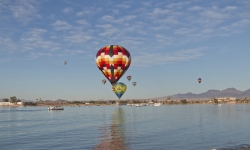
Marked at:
<point>226,99</point>
<point>9,103</point>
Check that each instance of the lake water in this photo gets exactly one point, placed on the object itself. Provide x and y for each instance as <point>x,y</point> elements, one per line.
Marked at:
<point>168,127</point>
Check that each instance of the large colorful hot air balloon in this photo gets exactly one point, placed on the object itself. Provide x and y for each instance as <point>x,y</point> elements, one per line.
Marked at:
<point>134,83</point>
<point>113,61</point>
<point>129,78</point>
<point>65,62</point>
<point>199,80</point>
<point>119,89</point>
<point>103,81</point>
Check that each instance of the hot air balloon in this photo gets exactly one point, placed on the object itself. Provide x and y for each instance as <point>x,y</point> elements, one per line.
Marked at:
<point>134,83</point>
<point>113,61</point>
<point>119,89</point>
<point>103,81</point>
<point>129,78</point>
<point>199,80</point>
<point>65,62</point>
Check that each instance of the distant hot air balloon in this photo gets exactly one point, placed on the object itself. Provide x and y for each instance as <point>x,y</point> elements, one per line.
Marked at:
<point>103,81</point>
<point>129,78</point>
<point>199,80</point>
<point>119,89</point>
<point>65,62</point>
<point>134,83</point>
<point>113,61</point>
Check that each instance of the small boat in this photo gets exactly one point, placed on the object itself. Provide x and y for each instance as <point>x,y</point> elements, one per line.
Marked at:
<point>55,108</point>
<point>219,104</point>
<point>138,105</point>
<point>157,104</point>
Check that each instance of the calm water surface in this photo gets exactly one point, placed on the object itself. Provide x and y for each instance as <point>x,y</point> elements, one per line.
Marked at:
<point>174,127</point>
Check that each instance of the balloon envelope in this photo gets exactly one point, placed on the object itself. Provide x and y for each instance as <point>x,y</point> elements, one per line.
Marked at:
<point>113,61</point>
<point>199,80</point>
<point>103,81</point>
<point>134,83</point>
<point>129,78</point>
<point>119,89</point>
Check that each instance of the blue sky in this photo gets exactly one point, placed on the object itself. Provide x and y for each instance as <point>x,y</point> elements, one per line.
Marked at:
<point>172,44</point>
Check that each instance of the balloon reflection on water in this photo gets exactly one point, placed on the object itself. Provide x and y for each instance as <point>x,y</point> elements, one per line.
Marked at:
<point>114,136</point>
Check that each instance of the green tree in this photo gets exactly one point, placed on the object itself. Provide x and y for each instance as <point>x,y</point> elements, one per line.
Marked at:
<point>5,99</point>
<point>216,100</point>
<point>184,101</point>
<point>13,99</point>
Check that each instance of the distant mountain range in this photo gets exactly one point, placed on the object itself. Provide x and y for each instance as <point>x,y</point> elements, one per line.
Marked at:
<point>229,92</point>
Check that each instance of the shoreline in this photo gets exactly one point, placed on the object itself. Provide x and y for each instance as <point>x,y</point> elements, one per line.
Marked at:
<point>84,105</point>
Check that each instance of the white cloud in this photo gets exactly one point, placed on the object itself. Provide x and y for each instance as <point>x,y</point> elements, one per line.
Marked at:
<point>107,18</point>
<point>108,29</point>
<point>184,31</point>
<point>124,19</point>
<point>146,3</point>
<point>61,25</point>
<point>115,11</point>
<point>7,45</point>
<point>33,40</point>
<point>224,28</point>
<point>208,30</point>
<point>195,8</point>
<point>82,22</point>
<point>77,37</point>
<point>67,10</point>
<point>150,23</point>
<point>170,20</point>
<point>125,6</point>
<point>242,23</point>
<point>159,11</point>
<point>3,60</point>
<point>214,15</point>
<point>177,5</point>
<point>208,22</point>
<point>166,40</point>
<point>140,31</point>
<point>73,52</point>
<point>160,28</point>
<point>147,59</point>
<point>87,11</point>
<point>24,10</point>
<point>79,13</point>
<point>229,8</point>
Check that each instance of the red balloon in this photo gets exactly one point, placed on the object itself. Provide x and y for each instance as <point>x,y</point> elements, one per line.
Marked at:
<point>113,61</point>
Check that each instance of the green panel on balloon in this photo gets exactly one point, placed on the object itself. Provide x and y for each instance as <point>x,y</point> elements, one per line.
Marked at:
<point>120,89</point>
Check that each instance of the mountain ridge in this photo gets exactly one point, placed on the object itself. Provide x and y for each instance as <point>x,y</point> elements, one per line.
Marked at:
<point>229,92</point>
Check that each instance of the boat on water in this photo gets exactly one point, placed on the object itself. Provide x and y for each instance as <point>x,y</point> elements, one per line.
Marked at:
<point>157,104</point>
<point>219,104</point>
<point>138,105</point>
<point>55,108</point>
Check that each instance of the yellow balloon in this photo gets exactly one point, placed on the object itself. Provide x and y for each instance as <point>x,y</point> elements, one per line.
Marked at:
<point>119,89</point>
